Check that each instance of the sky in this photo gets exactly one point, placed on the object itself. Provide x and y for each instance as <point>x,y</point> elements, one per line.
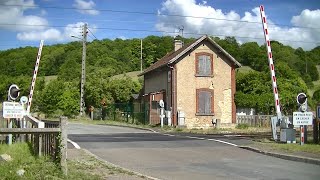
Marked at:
<point>26,22</point>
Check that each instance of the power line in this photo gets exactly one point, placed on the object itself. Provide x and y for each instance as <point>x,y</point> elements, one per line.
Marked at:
<point>167,32</point>
<point>92,33</point>
<point>151,13</point>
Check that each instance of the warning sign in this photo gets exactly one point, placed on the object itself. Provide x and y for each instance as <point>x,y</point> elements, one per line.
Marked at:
<point>12,110</point>
<point>302,118</point>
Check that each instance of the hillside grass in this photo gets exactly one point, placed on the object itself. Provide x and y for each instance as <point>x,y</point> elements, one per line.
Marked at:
<point>244,69</point>
<point>133,75</point>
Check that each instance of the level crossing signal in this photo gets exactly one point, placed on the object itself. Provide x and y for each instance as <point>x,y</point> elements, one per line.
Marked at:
<point>14,92</point>
<point>302,100</point>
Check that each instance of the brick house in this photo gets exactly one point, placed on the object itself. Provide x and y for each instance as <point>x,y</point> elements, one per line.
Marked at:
<point>196,82</point>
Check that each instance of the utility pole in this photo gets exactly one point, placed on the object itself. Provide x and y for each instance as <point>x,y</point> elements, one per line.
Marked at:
<point>83,68</point>
<point>141,56</point>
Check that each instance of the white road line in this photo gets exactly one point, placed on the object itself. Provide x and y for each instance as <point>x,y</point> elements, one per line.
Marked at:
<point>224,142</point>
<point>232,135</point>
<point>74,144</point>
<point>195,137</point>
<point>220,141</point>
<point>169,135</point>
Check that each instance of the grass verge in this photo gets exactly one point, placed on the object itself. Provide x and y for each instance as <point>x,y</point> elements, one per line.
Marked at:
<point>80,166</point>
<point>308,150</point>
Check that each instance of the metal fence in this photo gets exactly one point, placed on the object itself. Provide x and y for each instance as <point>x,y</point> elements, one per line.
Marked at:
<point>135,113</point>
<point>254,120</point>
<point>139,113</point>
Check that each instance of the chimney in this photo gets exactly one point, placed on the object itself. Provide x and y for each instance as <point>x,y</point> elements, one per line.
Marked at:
<point>177,43</point>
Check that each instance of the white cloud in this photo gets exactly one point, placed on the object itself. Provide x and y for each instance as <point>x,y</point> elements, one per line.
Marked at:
<point>13,18</point>
<point>49,34</point>
<point>214,23</point>
<point>53,34</point>
<point>85,7</point>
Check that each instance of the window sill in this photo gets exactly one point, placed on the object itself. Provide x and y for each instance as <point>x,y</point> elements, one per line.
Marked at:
<point>198,75</point>
<point>201,114</point>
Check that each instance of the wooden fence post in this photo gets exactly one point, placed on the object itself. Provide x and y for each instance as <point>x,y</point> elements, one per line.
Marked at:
<point>63,146</point>
<point>39,139</point>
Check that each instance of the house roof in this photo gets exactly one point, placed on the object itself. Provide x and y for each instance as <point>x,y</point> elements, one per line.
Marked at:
<point>173,56</point>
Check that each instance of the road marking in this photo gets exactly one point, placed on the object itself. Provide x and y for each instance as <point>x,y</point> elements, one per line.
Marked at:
<point>169,135</point>
<point>195,137</point>
<point>232,135</point>
<point>224,142</point>
<point>74,144</point>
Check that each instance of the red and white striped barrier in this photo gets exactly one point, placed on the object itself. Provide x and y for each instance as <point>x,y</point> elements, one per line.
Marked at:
<point>301,135</point>
<point>271,65</point>
<point>35,72</point>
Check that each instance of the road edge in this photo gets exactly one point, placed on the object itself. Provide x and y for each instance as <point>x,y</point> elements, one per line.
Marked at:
<point>283,156</point>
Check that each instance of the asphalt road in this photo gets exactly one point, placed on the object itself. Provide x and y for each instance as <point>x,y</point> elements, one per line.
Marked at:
<point>184,157</point>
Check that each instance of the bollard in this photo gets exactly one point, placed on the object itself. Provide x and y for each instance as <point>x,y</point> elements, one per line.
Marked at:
<point>218,123</point>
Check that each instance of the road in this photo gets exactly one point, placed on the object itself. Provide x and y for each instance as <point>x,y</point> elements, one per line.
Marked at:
<point>184,157</point>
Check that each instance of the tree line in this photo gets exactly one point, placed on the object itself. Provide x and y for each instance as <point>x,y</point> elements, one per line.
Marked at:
<point>296,71</point>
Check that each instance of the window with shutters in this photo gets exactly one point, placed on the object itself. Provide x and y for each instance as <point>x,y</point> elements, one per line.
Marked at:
<point>204,64</point>
<point>205,102</point>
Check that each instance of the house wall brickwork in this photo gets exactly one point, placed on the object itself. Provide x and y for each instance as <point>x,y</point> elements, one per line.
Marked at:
<point>221,83</point>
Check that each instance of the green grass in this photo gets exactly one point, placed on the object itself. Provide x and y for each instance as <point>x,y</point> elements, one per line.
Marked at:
<point>133,75</point>
<point>244,69</point>
<point>288,148</point>
<point>37,167</point>
<point>80,166</point>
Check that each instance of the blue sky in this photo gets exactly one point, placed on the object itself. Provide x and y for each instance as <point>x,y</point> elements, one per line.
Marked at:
<point>292,22</point>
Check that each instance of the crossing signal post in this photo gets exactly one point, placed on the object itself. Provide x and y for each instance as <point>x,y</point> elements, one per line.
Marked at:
<point>13,94</point>
<point>303,117</point>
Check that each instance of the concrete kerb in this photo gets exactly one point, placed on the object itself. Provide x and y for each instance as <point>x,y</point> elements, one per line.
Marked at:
<point>114,165</point>
<point>283,156</point>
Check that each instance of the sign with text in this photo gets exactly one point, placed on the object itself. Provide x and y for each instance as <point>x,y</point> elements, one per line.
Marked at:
<point>302,118</point>
<point>12,110</point>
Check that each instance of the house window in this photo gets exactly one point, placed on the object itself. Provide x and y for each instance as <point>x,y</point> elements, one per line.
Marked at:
<point>205,102</point>
<point>204,64</point>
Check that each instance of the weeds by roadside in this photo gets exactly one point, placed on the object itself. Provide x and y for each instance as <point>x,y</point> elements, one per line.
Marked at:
<point>80,166</point>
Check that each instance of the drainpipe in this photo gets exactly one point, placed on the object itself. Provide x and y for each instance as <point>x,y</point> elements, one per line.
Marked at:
<point>173,95</point>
